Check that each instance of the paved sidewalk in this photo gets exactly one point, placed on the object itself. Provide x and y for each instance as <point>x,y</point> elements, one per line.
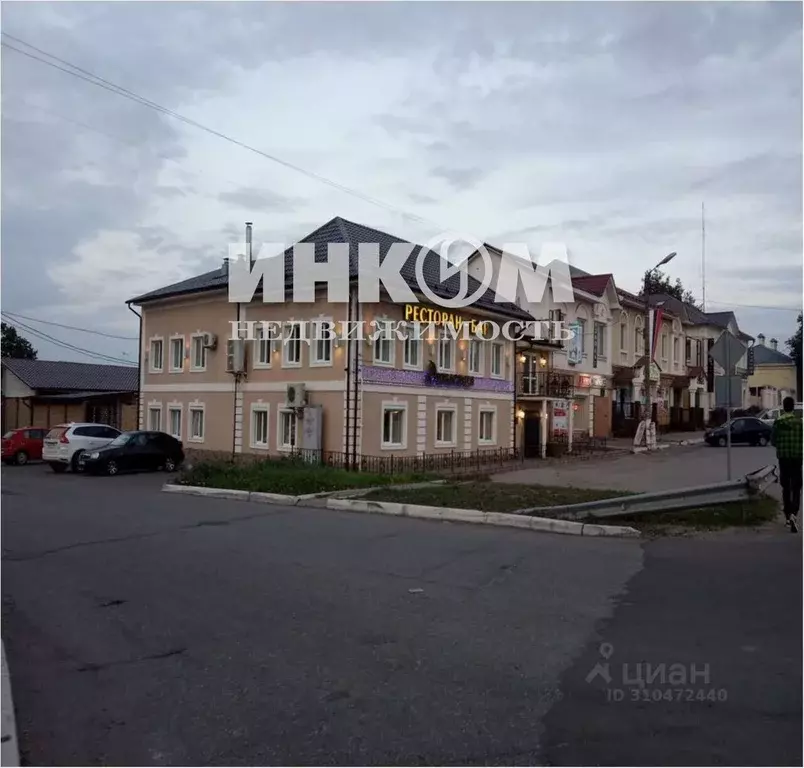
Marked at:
<point>9,751</point>
<point>644,472</point>
<point>670,438</point>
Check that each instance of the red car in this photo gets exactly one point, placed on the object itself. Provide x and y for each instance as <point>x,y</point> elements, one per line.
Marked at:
<point>23,444</point>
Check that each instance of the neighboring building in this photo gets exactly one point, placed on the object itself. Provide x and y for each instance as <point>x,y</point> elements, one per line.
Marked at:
<point>701,331</point>
<point>774,376</point>
<point>41,393</point>
<point>670,384</point>
<point>386,398</point>
<point>580,370</point>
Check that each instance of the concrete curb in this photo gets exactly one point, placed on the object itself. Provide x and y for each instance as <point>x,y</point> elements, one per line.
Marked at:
<point>330,501</point>
<point>9,748</point>
<point>263,497</point>
<point>664,446</point>
<point>450,514</point>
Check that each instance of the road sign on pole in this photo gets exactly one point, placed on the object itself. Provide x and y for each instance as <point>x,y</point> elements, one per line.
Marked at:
<point>727,351</point>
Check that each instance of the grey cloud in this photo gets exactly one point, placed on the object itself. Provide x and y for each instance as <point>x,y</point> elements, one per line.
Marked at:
<point>460,178</point>
<point>264,200</point>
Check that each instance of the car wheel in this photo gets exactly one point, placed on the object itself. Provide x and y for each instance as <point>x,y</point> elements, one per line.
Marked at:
<point>170,464</point>
<point>75,464</point>
<point>57,467</point>
<point>21,458</point>
<point>721,441</point>
<point>111,468</point>
<point>763,441</point>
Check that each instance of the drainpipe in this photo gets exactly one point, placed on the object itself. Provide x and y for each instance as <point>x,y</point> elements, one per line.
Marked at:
<point>139,364</point>
<point>348,353</point>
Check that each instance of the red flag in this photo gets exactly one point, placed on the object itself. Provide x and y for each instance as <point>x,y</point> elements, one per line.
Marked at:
<point>658,317</point>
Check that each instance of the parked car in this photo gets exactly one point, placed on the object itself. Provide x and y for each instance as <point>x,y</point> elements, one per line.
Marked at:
<point>136,451</point>
<point>22,445</point>
<point>66,443</point>
<point>744,430</point>
<point>771,414</point>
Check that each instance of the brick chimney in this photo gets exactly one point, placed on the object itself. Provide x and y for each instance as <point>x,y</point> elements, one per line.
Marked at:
<point>774,344</point>
<point>761,339</point>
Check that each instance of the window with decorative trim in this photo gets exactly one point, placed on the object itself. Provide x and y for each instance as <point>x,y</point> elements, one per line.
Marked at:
<point>155,360</point>
<point>197,425</point>
<point>155,418</point>
<point>176,354</point>
<point>445,355</point>
<point>198,353</point>
<point>446,425</point>
<point>476,357</point>
<point>487,426</point>
<point>259,425</point>
<point>394,425</point>
<point>174,421</point>
<point>383,343</point>
<point>291,349</point>
<point>287,427</point>
<point>497,360</point>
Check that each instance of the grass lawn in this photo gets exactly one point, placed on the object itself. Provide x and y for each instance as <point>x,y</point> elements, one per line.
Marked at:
<point>293,477</point>
<point>748,513</point>
<point>491,497</point>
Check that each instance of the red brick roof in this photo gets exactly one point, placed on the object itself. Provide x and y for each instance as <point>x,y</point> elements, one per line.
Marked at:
<point>594,284</point>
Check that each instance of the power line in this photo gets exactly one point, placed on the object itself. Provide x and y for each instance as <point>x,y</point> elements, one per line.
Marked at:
<point>108,85</point>
<point>58,342</point>
<point>753,306</point>
<point>69,327</point>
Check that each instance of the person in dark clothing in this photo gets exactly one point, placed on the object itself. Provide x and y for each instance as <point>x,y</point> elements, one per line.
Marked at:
<point>786,436</point>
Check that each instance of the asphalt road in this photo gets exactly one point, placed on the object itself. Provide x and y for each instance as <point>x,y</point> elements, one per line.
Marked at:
<point>144,628</point>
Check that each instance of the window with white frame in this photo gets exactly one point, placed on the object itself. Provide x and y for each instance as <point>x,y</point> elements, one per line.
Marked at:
<point>155,418</point>
<point>259,425</point>
<point>383,343</point>
<point>177,354</point>
<point>601,339</point>
<point>157,353</point>
<point>639,341</point>
<point>412,347</point>
<point>322,342</point>
<point>664,346</point>
<point>198,359</point>
<point>623,337</point>
<point>394,425</point>
<point>476,357</point>
<point>582,334</point>
<point>287,428</point>
<point>291,349</point>
<point>675,351</point>
<point>497,360</point>
<point>445,358</point>
<point>445,425</point>
<point>263,347</point>
<point>174,421</point>
<point>197,425</point>
<point>487,428</point>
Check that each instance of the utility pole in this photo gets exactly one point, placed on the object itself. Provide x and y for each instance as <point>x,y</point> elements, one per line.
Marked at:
<point>728,412</point>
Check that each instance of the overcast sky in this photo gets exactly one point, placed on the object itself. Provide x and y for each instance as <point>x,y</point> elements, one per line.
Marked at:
<point>602,125</point>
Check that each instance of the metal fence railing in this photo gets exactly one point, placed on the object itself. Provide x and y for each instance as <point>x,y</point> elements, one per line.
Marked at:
<point>447,462</point>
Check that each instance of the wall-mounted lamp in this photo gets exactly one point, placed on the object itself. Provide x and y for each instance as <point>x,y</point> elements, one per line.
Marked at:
<point>542,361</point>
<point>520,415</point>
<point>522,358</point>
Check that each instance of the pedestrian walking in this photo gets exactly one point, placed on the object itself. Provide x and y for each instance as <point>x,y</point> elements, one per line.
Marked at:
<point>786,437</point>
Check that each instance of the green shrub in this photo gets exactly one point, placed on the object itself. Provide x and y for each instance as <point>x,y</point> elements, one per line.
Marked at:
<point>292,476</point>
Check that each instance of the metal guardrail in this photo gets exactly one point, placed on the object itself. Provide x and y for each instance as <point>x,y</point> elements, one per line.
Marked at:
<point>665,501</point>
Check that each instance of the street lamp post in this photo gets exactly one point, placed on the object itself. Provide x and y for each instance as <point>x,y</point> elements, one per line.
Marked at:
<point>648,352</point>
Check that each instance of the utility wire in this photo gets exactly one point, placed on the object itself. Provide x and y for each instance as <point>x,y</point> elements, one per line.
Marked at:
<point>70,327</point>
<point>88,352</point>
<point>753,306</point>
<point>108,85</point>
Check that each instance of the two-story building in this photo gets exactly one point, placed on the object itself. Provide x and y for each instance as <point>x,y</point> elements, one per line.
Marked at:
<point>774,376</point>
<point>347,397</point>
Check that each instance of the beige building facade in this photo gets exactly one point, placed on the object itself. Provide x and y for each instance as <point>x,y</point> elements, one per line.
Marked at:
<point>378,398</point>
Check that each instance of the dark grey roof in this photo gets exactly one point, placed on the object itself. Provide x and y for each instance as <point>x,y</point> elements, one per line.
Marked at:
<point>721,319</point>
<point>58,375</point>
<point>767,356</point>
<point>340,230</point>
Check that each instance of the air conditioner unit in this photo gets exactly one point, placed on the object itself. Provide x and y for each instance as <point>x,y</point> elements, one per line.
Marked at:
<point>210,340</point>
<point>296,395</point>
<point>236,356</point>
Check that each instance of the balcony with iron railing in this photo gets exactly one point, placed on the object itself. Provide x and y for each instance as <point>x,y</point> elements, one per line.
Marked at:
<point>544,384</point>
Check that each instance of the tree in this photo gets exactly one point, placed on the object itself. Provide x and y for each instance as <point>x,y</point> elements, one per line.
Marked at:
<point>794,345</point>
<point>658,282</point>
<point>15,345</point>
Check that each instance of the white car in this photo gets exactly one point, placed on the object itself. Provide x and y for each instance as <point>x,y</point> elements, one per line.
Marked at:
<point>64,443</point>
<point>770,415</point>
